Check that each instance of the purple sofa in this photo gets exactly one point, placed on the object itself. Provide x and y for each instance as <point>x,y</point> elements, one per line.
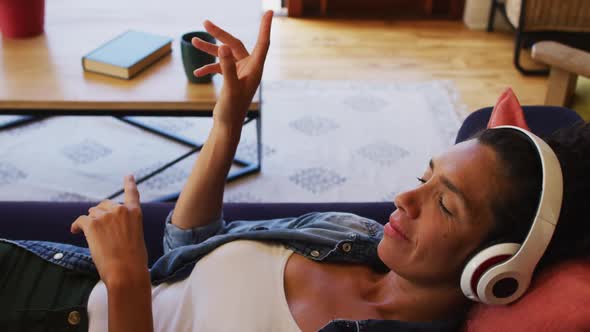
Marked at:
<point>51,221</point>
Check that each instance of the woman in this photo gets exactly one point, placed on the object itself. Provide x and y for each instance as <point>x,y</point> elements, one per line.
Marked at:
<point>328,271</point>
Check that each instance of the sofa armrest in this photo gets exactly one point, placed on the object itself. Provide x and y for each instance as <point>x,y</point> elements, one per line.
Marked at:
<point>567,58</point>
<point>566,64</point>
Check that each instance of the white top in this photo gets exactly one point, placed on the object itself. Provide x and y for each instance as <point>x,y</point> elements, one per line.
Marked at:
<point>237,287</point>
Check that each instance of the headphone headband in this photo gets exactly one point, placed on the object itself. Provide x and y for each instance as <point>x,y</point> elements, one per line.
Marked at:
<point>506,281</point>
<point>550,201</point>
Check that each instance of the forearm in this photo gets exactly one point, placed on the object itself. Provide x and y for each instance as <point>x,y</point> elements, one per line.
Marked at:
<point>201,199</point>
<point>130,304</point>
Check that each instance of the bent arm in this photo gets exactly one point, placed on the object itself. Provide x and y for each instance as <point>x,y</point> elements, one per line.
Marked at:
<point>201,199</point>
<point>115,237</point>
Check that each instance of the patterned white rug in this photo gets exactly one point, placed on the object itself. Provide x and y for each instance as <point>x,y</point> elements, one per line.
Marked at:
<point>322,141</point>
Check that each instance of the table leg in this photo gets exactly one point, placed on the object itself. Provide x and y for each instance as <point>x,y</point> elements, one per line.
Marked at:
<point>22,121</point>
<point>248,167</point>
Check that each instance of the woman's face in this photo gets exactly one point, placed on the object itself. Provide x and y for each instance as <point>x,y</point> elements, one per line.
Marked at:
<point>445,218</point>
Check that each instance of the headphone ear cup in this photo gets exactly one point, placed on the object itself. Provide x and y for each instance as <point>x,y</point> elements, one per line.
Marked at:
<point>480,264</point>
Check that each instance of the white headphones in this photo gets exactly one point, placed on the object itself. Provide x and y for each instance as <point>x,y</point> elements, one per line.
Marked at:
<point>502,272</point>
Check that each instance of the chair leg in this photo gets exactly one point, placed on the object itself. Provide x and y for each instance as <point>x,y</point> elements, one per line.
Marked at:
<point>323,7</point>
<point>492,16</point>
<point>518,65</point>
<point>560,87</point>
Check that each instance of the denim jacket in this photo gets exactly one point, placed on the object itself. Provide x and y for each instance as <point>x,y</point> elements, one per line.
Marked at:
<point>325,237</point>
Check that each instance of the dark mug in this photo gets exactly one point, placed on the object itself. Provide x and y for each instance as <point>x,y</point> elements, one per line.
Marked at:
<point>193,58</point>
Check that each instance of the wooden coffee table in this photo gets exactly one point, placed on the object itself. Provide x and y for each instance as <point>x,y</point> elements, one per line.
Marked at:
<point>42,76</point>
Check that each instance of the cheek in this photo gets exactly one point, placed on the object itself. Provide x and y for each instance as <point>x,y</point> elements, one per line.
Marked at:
<point>440,252</point>
<point>435,233</point>
<point>435,244</point>
<point>449,253</point>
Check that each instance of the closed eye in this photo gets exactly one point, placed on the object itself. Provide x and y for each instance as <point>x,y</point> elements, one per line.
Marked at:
<point>440,200</point>
<point>443,207</point>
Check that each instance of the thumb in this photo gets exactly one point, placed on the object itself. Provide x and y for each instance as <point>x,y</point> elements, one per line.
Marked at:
<point>75,229</point>
<point>78,225</point>
<point>228,67</point>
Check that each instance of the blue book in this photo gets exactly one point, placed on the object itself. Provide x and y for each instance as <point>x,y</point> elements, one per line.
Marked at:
<point>127,54</point>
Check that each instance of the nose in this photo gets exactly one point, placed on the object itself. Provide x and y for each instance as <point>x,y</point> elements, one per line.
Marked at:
<point>408,202</point>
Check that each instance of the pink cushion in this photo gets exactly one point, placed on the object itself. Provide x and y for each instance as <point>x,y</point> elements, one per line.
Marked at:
<point>507,112</point>
<point>558,300</point>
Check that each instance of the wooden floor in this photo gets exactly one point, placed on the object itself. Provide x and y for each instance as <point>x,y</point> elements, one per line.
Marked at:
<point>478,63</point>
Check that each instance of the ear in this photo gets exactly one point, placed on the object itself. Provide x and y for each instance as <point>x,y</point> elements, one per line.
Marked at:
<point>507,112</point>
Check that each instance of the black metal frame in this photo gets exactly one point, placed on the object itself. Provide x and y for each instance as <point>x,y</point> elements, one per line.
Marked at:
<point>520,38</point>
<point>524,39</point>
<point>21,122</point>
<point>32,115</point>
<point>492,16</point>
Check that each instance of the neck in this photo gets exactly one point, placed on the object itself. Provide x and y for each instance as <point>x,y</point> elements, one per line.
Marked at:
<point>401,299</point>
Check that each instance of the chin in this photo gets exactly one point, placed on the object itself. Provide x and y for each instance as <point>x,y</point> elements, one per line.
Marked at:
<point>397,256</point>
<point>388,252</point>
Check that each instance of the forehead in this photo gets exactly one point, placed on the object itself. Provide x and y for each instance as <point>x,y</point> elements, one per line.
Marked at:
<point>472,167</point>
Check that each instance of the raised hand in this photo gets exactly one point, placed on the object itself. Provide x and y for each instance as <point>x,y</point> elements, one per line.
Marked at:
<point>114,233</point>
<point>242,71</point>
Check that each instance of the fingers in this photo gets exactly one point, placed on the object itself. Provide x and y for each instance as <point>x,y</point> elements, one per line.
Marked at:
<point>228,68</point>
<point>237,47</point>
<point>80,224</point>
<point>106,205</point>
<point>205,46</point>
<point>263,41</point>
<point>131,202</point>
<point>96,212</point>
<point>213,68</point>
<point>131,195</point>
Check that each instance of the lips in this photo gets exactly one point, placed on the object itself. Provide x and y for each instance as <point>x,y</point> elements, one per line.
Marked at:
<point>394,223</point>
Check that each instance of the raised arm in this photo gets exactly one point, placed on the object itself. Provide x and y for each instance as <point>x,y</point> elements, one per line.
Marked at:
<point>201,199</point>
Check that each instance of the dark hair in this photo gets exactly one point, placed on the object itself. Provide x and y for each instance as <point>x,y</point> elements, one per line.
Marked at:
<point>515,207</point>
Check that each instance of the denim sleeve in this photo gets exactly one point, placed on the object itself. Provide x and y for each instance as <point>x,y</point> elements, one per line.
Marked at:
<point>175,237</point>
<point>327,225</point>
